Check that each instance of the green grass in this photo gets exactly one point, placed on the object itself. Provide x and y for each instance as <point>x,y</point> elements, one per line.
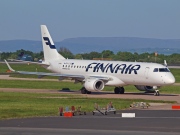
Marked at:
<point>176,73</point>
<point>170,89</point>
<point>53,85</point>
<point>19,105</point>
<point>22,67</point>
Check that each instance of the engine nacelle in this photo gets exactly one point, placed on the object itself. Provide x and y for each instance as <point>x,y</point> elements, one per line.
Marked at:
<point>94,85</point>
<point>146,88</point>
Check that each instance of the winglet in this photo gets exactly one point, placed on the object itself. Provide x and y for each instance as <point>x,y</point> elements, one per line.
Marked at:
<point>9,66</point>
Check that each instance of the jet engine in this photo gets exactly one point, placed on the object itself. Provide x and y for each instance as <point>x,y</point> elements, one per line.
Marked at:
<point>94,84</point>
<point>146,88</point>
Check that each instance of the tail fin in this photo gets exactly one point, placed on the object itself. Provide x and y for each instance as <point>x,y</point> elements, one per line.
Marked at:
<point>49,48</point>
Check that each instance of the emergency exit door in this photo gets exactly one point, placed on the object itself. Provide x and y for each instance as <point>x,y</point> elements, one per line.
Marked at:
<point>146,72</point>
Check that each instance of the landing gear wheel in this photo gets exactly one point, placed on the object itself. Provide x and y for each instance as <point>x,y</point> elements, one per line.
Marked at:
<point>88,92</point>
<point>156,93</point>
<point>116,90</point>
<point>121,90</point>
<point>84,91</point>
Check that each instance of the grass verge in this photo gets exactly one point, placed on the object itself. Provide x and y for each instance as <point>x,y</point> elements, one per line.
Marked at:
<point>19,105</point>
<point>53,85</point>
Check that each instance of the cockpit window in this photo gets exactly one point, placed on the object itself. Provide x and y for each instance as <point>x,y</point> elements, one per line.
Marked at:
<point>155,70</point>
<point>164,70</point>
<point>161,70</point>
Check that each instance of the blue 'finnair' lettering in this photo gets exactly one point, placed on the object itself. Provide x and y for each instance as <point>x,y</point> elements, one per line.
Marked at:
<point>47,41</point>
<point>122,68</point>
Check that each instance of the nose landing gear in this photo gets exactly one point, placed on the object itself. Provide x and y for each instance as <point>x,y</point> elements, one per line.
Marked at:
<point>156,93</point>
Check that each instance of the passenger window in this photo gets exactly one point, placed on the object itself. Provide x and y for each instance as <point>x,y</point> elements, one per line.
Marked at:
<point>155,70</point>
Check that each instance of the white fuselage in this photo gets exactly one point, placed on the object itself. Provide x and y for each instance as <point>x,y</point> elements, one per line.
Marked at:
<point>120,73</point>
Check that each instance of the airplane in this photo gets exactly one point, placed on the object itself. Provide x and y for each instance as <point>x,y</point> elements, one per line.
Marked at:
<point>96,74</point>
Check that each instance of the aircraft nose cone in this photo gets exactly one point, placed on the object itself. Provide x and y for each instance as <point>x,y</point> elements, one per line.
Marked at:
<point>171,80</point>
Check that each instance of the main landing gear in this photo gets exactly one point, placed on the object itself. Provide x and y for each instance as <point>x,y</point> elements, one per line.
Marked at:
<point>156,93</point>
<point>84,91</point>
<point>119,90</point>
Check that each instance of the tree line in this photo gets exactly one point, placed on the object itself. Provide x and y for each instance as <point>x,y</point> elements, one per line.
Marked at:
<point>104,55</point>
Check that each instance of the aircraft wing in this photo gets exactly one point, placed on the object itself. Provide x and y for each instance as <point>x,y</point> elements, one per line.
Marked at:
<point>51,74</point>
<point>40,74</point>
<point>44,73</point>
<point>101,78</point>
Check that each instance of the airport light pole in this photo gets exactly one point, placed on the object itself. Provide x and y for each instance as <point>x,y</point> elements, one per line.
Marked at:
<point>155,55</point>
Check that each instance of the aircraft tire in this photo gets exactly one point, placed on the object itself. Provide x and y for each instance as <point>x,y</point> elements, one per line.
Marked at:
<point>116,90</point>
<point>121,90</point>
<point>83,90</point>
<point>88,92</point>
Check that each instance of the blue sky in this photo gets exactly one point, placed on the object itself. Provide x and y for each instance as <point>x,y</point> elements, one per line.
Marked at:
<point>21,19</point>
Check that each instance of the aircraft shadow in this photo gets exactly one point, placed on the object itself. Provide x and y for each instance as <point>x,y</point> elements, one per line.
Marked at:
<point>72,91</point>
<point>151,94</point>
<point>104,93</point>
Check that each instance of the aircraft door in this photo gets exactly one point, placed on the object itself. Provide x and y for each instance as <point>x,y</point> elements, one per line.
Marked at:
<point>146,72</point>
<point>59,67</point>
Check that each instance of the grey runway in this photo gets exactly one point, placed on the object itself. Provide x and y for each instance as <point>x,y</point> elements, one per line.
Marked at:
<point>145,122</point>
<point>49,131</point>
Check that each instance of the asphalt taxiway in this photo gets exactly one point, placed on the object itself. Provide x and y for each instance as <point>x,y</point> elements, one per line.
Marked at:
<point>160,122</point>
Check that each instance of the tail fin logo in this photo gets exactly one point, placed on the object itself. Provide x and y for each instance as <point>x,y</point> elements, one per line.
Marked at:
<point>48,42</point>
